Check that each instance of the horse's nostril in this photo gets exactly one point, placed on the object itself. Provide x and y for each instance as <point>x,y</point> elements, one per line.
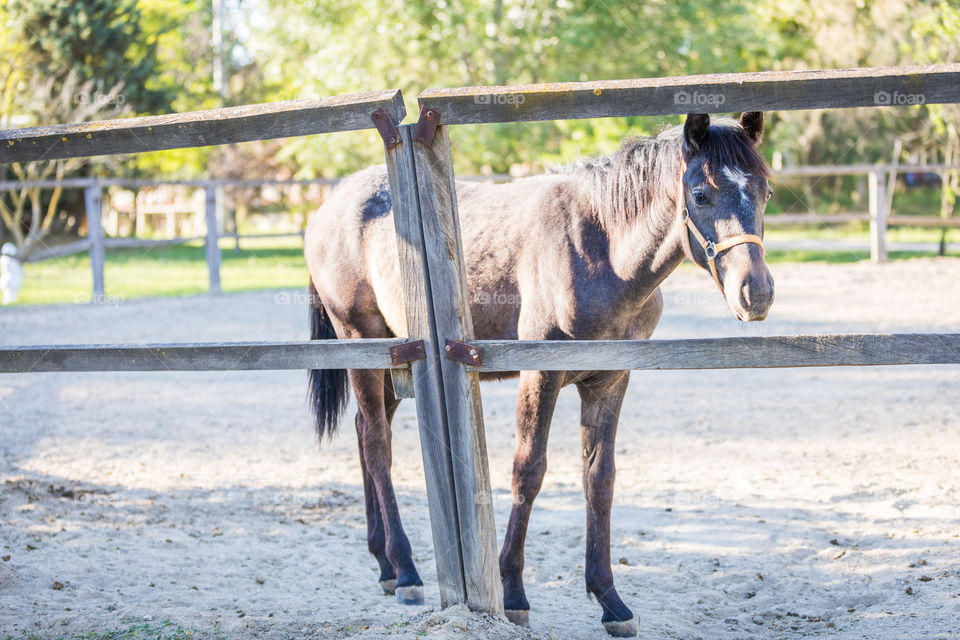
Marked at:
<point>745,295</point>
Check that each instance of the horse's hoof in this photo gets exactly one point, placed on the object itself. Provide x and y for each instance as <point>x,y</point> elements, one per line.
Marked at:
<point>409,595</point>
<point>621,628</point>
<point>388,586</point>
<point>519,617</point>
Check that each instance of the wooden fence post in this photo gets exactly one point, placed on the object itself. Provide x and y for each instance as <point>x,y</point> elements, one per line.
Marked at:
<point>213,239</point>
<point>461,389</point>
<point>93,201</point>
<point>878,217</point>
<point>427,383</point>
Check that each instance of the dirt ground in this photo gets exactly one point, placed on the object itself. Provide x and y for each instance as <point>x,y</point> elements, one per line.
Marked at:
<point>756,503</point>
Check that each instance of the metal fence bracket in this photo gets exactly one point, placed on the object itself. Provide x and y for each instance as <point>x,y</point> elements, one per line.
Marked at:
<point>464,352</point>
<point>407,352</point>
<point>426,126</point>
<point>388,130</point>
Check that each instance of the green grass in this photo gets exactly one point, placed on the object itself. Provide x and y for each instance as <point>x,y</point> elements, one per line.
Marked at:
<point>160,631</point>
<point>167,271</point>
<point>278,263</point>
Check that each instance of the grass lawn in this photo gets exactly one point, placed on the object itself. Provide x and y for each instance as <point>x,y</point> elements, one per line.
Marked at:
<point>278,263</point>
<point>167,271</point>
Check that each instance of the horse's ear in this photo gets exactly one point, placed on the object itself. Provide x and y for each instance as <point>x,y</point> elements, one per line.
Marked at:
<point>695,131</point>
<point>752,123</point>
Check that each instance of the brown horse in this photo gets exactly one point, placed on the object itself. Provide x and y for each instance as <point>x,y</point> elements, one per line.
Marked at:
<point>575,254</point>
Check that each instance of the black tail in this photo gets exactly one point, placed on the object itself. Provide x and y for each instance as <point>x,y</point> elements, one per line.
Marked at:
<point>329,390</point>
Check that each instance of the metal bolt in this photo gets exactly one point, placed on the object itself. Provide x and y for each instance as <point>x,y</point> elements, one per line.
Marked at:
<point>449,348</point>
<point>394,141</point>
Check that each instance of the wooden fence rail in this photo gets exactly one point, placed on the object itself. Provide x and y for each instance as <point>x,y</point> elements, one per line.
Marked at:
<point>219,356</point>
<point>763,91</point>
<point>751,352</point>
<point>199,128</point>
<point>832,350</point>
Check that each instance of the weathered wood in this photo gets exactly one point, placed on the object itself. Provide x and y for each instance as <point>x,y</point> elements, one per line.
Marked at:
<point>427,382</point>
<point>402,380</point>
<point>212,241</point>
<point>785,219</point>
<point>461,392</point>
<point>261,236</point>
<point>214,356</point>
<point>923,221</point>
<point>93,201</point>
<point>199,128</point>
<point>831,350</point>
<point>147,243</point>
<point>139,183</point>
<point>59,251</point>
<point>721,353</point>
<point>878,217</point>
<point>764,91</point>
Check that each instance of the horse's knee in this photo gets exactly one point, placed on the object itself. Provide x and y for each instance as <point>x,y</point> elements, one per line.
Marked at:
<point>528,476</point>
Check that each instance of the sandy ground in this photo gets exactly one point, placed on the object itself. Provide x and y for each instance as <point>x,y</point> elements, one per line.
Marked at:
<point>767,504</point>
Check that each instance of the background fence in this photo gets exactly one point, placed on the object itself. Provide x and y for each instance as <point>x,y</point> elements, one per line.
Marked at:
<point>444,372</point>
<point>880,214</point>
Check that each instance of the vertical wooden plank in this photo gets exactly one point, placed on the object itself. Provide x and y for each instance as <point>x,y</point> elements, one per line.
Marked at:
<point>212,240</point>
<point>93,201</point>
<point>448,289</point>
<point>428,387</point>
<point>878,217</point>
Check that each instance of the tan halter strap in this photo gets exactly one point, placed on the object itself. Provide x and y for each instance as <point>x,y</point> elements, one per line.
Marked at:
<point>710,249</point>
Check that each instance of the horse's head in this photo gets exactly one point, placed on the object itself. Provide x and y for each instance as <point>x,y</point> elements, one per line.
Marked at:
<point>725,192</point>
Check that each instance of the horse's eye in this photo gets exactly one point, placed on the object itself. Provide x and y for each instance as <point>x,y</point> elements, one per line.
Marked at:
<point>700,197</point>
<point>769,194</point>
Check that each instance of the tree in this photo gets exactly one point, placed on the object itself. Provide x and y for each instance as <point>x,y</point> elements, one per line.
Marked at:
<point>26,212</point>
<point>98,40</point>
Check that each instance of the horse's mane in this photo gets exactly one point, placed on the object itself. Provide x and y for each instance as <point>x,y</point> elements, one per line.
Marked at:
<point>645,172</point>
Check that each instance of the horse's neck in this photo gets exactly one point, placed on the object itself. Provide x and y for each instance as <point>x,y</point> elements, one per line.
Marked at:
<point>648,251</point>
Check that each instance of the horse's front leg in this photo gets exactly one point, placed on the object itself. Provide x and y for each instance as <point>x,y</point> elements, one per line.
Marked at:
<point>373,430</point>
<point>535,404</point>
<point>601,397</point>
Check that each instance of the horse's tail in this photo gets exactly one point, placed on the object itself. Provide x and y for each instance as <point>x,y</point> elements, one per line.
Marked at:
<point>329,390</point>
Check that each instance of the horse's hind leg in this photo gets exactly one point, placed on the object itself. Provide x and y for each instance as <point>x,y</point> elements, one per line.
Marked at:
<point>601,397</point>
<point>376,537</point>
<point>373,432</point>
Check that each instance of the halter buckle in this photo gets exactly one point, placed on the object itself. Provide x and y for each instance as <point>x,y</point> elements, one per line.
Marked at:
<point>710,250</point>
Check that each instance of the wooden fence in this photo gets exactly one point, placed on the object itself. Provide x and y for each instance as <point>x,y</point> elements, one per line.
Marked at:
<point>97,242</point>
<point>880,216</point>
<point>444,374</point>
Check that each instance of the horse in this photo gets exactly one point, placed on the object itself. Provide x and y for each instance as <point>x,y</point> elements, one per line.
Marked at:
<point>577,253</point>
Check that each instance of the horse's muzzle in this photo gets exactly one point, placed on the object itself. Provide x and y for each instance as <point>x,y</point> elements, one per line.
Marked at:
<point>749,290</point>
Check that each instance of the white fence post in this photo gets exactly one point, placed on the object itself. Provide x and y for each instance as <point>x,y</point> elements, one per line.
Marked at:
<point>878,217</point>
<point>93,201</point>
<point>213,239</point>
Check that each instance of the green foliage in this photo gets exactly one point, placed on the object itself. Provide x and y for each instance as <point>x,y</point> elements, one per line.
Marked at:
<point>100,40</point>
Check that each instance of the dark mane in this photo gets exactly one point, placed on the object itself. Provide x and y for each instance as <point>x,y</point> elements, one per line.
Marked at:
<point>640,181</point>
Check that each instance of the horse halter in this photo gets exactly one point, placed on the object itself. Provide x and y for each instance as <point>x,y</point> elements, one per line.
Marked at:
<point>710,249</point>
